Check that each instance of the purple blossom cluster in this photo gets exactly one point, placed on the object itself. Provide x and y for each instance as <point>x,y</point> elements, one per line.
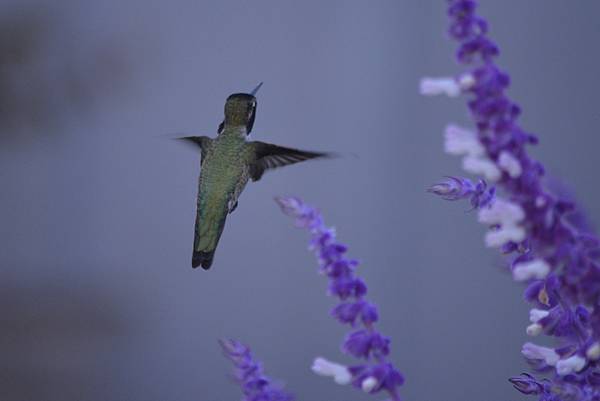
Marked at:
<point>248,372</point>
<point>549,249</point>
<point>364,342</point>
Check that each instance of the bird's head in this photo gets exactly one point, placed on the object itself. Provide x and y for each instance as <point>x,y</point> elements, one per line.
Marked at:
<point>240,110</point>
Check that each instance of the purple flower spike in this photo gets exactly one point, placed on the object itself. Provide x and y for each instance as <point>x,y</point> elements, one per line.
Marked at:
<point>376,374</point>
<point>551,248</point>
<point>255,385</point>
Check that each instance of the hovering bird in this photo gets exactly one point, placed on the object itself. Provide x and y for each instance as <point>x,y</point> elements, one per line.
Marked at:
<point>227,163</point>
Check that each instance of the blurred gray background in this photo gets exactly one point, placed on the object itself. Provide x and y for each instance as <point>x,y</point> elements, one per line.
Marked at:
<point>98,299</point>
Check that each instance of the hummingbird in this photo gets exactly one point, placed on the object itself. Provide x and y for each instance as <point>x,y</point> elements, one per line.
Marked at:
<point>227,162</point>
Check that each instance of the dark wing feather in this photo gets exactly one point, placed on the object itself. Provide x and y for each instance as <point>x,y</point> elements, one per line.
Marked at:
<point>268,156</point>
<point>203,142</point>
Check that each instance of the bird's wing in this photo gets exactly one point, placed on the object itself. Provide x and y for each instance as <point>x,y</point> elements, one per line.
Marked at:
<point>203,142</point>
<point>268,156</point>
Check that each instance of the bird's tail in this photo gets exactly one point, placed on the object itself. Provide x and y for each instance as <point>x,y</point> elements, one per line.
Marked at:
<point>203,259</point>
<point>209,227</point>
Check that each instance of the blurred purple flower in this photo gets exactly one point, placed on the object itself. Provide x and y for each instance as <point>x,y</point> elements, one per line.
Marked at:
<point>553,252</point>
<point>376,373</point>
<point>248,372</point>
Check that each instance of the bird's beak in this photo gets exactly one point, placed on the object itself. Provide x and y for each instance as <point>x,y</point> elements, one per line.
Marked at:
<point>253,93</point>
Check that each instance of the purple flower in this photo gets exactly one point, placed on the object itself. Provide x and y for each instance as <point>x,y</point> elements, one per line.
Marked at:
<point>248,372</point>
<point>455,188</point>
<point>527,384</point>
<point>377,377</point>
<point>550,248</point>
<point>376,373</point>
<point>351,312</point>
<point>366,344</point>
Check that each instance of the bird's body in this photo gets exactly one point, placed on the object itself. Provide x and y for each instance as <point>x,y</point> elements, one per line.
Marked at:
<point>223,176</point>
<point>228,162</point>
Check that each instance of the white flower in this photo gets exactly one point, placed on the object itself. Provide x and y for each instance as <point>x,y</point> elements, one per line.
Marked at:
<point>437,86</point>
<point>537,268</point>
<point>461,141</point>
<point>593,352</point>
<point>478,165</point>
<point>506,233</point>
<point>466,81</point>
<point>535,315</point>
<point>534,329</point>
<point>501,212</point>
<point>569,365</point>
<point>510,164</point>
<point>506,215</point>
<point>532,351</point>
<point>340,373</point>
<point>368,384</point>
